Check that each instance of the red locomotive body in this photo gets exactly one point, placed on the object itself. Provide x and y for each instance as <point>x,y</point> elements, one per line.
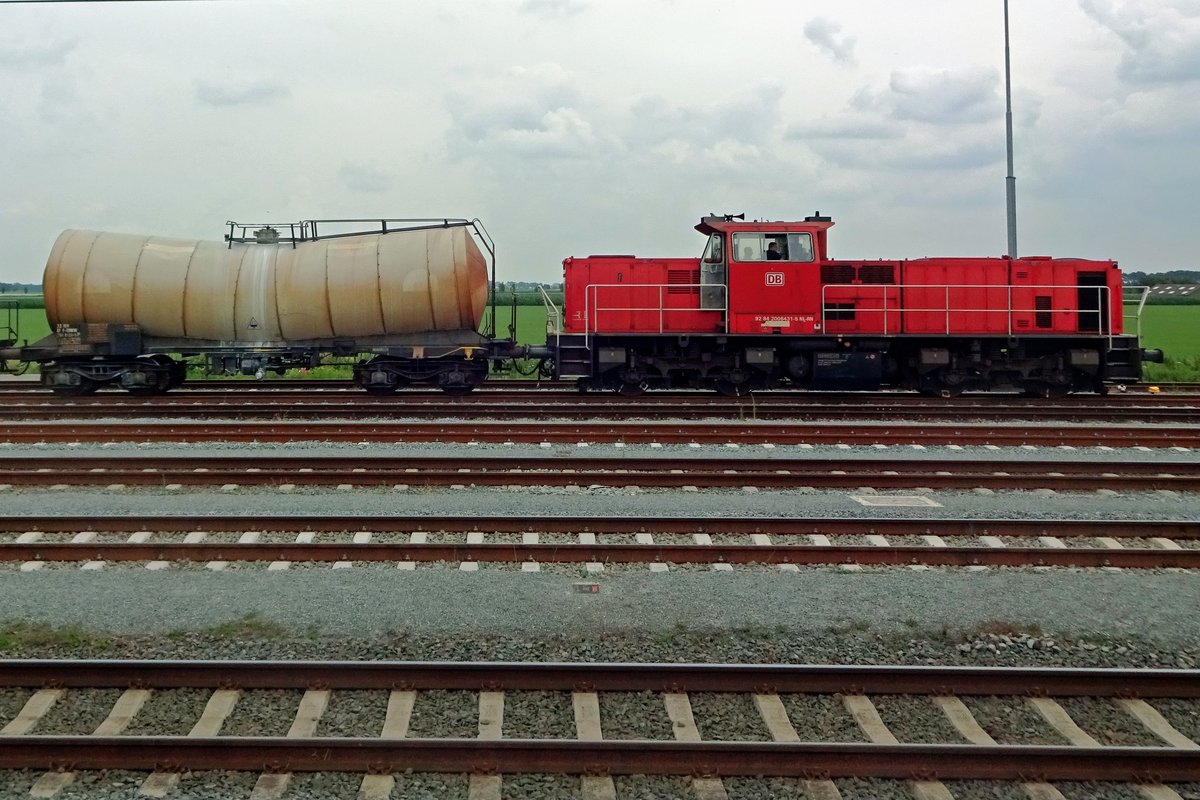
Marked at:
<point>765,306</point>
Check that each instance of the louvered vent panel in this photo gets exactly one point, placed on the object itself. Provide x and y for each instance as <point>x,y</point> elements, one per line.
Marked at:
<point>682,281</point>
<point>1043,318</point>
<point>877,273</point>
<point>839,311</point>
<point>837,273</point>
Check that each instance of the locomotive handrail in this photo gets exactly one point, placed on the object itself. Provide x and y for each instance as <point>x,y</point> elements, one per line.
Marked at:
<point>592,307</point>
<point>866,291</point>
<point>1143,293</point>
<point>554,317</point>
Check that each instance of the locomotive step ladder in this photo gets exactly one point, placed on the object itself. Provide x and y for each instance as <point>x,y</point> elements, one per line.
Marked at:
<point>574,356</point>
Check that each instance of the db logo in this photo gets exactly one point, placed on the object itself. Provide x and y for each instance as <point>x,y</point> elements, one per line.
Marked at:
<point>774,279</point>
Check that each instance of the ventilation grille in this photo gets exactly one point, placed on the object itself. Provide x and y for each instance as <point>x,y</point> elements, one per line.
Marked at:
<point>1043,318</point>
<point>837,273</point>
<point>866,273</point>
<point>839,311</point>
<point>877,273</point>
<point>682,281</point>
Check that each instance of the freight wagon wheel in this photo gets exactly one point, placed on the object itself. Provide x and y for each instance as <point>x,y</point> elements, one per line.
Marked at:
<point>632,389</point>
<point>381,391</point>
<point>462,380</point>
<point>162,381</point>
<point>457,391</point>
<point>86,386</point>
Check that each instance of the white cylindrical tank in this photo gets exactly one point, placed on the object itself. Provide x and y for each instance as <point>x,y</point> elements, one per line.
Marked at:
<point>402,282</point>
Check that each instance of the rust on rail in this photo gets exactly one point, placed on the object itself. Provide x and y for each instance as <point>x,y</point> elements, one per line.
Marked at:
<point>553,676</point>
<point>1129,558</point>
<point>716,526</point>
<point>1138,764</point>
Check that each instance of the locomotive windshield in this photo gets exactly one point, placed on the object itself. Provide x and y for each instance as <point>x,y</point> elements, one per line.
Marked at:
<point>714,251</point>
<point>749,247</point>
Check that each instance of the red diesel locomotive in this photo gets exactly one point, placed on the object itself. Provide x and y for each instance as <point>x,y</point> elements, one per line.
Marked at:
<point>765,306</point>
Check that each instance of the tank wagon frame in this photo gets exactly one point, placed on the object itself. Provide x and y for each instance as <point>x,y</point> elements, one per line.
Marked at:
<point>78,359</point>
<point>764,307</point>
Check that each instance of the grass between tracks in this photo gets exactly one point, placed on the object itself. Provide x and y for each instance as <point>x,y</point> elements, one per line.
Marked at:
<point>24,635</point>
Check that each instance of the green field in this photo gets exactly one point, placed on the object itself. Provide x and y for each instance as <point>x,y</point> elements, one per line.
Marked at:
<point>531,323</point>
<point>1175,329</point>
<point>29,324</point>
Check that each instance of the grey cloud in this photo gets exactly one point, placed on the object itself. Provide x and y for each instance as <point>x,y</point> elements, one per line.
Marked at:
<point>524,130</point>
<point>532,112</point>
<point>366,178</point>
<point>748,119</point>
<point>935,97</point>
<point>21,56</point>
<point>824,34</point>
<point>1163,39</point>
<point>258,93</point>
<point>553,8</point>
<point>865,129</point>
<point>914,154</point>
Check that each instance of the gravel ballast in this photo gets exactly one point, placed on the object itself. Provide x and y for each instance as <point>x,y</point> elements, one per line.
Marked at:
<point>993,617</point>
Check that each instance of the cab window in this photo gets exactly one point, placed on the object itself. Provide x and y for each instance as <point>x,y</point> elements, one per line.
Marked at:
<point>714,251</point>
<point>754,247</point>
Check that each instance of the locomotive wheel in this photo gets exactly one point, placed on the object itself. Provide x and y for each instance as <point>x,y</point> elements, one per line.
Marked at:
<point>1049,391</point>
<point>729,388</point>
<point>949,384</point>
<point>632,389</point>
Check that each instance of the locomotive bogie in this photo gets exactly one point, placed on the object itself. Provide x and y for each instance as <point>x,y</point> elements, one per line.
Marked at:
<point>737,365</point>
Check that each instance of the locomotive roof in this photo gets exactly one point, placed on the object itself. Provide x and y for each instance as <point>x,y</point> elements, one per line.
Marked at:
<point>714,224</point>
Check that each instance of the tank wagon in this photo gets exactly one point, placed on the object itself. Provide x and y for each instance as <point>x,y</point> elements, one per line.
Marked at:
<point>412,293</point>
<point>765,306</point>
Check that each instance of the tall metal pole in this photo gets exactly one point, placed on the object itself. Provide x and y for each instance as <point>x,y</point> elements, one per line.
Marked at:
<point>1011,181</point>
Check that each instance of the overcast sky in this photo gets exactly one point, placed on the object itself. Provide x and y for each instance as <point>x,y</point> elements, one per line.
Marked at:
<point>573,127</point>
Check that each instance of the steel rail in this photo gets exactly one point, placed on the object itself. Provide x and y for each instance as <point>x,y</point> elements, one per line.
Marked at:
<point>892,555</point>
<point>628,757</point>
<point>602,432</point>
<point>493,384</point>
<point>603,676</point>
<point>521,409</point>
<point>718,526</point>
<point>575,471</point>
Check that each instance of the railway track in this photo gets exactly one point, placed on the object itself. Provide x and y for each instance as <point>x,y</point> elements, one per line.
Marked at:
<point>630,432</point>
<point>781,543</point>
<point>276,469</point>
<point>584,690</point>
<point>506,405</point>
<point>333,384</point>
